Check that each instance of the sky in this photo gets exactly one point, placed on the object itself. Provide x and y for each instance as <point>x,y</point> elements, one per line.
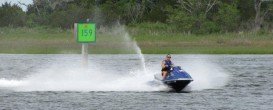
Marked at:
<point>17,2</point>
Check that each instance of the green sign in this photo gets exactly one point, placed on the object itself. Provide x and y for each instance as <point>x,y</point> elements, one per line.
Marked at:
<point>86,32</point>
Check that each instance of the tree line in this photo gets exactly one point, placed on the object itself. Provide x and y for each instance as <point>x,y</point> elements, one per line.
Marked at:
<point>193,16</point>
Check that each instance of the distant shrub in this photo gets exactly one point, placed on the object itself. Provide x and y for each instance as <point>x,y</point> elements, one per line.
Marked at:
<point>12,15</point>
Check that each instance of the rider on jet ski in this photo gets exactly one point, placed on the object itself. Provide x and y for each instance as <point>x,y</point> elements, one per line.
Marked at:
<point>166,66</point>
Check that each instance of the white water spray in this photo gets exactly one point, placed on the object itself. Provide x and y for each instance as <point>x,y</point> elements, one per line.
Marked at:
<point>63,77</point>
<point>68,76</point>
<point>131,44</point>
<point>137,50</point>
<point>206,75</point>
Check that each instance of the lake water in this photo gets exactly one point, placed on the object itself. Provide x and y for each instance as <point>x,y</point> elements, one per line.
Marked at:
<point>122,82</point>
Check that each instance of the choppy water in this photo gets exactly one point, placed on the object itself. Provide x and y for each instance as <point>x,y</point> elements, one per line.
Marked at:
<point>118,82</point>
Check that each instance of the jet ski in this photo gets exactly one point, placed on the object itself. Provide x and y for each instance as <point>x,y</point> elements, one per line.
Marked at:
<point>177,78</point>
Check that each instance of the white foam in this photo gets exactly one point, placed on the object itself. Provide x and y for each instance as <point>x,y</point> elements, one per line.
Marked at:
<point>5,83</point>
<point>206,74</point>
<point>66,77</point>
<point>63,77</point>
<point>79,79</point>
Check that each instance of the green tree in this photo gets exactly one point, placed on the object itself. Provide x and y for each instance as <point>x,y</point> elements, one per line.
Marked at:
<point>191,15</point>
<point>65,17</point>
<point>155,10</point>
<point>12,15</point>
<point>228,17</point>
<point>261,12</point>
<point>42,11</point>
<point>181,19</point>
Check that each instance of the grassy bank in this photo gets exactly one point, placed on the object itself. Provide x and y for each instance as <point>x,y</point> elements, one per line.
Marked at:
<point>151,40</point>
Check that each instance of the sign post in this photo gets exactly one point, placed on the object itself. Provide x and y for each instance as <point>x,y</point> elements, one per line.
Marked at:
<point>85,55</point>
<point>85,34</point>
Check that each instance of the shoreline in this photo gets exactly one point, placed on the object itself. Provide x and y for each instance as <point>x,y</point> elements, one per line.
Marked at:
<point>150,41</point>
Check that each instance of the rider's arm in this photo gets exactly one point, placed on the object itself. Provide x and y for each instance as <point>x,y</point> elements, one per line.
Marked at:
<point>163,64</point>
<point>172,65</point>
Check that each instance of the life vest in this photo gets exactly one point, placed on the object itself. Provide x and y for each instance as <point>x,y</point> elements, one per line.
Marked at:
<point>169,63</point>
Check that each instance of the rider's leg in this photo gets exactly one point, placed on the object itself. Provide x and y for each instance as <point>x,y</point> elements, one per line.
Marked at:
<point>164,74</point>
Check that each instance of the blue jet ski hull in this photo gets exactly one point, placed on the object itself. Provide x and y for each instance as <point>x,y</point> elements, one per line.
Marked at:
<point>177,79</point>
<point>177,85</point>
